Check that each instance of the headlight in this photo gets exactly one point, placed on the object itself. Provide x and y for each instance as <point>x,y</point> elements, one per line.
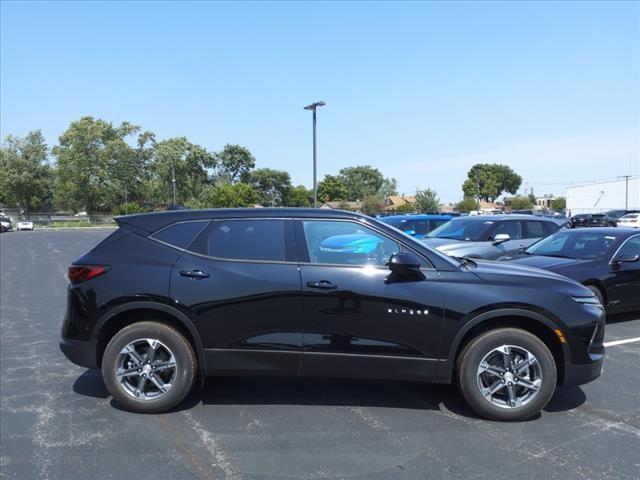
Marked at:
<point>588,301</point>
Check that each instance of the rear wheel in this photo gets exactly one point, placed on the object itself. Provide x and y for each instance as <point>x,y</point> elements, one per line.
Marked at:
<point>506,374</point>
<point>148,367</point>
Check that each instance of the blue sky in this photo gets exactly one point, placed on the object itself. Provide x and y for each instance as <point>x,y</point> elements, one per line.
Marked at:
<point>420,90</point>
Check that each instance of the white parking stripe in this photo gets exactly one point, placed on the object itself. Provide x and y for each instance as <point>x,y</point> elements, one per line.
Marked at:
<point>621,342</point>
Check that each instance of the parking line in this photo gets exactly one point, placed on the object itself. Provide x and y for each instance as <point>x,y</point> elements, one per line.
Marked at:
<point>621,342</point>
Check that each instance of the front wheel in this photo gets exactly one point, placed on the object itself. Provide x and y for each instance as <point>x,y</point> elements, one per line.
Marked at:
<point>149,367</point>
<point>506,374</point>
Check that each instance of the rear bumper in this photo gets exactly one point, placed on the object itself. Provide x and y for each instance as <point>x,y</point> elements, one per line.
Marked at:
<point>581,374</point>
<point>80,352</point>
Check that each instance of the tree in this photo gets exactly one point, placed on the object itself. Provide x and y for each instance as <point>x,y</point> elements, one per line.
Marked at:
<point>406,208</point>
<point>389,187</point>
<point>331,188</point>
<point>300,196</point>
<point>361,181</point>
<point>466,205</point>
<point>25,176</point>
<point>225,195</point>
<point>488,181</point>
<point>427,201</point>
<point>274,186</point>
<point>372,204</point>
<point>559,203</point>
<point>234,163</point>
<point>190,162</point>
<point>521,203</point>
<point>89,158</point>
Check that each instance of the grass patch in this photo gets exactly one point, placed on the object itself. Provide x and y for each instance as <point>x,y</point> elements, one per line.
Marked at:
<point>79,223</point>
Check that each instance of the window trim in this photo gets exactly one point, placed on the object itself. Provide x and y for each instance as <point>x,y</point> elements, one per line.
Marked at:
<point>206,223</point>
<point>611,261</point>
<point>303,249</point>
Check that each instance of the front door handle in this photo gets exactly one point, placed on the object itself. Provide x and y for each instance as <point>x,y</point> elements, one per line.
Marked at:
<point>194,273</point>
<point>324,284</point>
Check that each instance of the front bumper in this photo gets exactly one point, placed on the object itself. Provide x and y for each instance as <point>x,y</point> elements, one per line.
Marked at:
<point>581,374</point>
<point>80,352</point>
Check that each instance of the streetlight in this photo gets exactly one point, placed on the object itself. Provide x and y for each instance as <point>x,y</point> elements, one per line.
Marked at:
<point>626,191</point>
<point>313,107</point>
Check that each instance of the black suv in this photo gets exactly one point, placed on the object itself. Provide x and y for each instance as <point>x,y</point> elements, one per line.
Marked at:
<point>173,295</point>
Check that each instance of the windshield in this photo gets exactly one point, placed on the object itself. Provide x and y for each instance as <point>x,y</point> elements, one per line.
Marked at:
<point>583,246</point>
<point>419,226</point>
<point>468,229</point>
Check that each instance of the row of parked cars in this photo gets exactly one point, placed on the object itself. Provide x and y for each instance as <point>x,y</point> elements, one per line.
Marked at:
<point>6,225</point>
<point>605,259</point>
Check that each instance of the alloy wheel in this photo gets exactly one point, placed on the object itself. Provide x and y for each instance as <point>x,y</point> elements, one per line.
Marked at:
<point>146,369</point>
<point>509,376</point>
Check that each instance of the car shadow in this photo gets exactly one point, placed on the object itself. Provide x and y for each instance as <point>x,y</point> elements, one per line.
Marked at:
<point>622,317</point>
<point>327,392</point>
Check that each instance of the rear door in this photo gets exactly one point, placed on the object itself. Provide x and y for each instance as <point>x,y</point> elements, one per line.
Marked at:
<point>358,320</point>
<point>239,279</point>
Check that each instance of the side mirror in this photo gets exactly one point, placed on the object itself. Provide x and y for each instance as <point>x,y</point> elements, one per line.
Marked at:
<point>627,259</point>
<point>500,238</point>
<point>410,232</point>
<point>404,262</point>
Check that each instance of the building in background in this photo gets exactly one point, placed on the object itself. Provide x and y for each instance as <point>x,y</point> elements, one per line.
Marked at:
<point>601,196</point>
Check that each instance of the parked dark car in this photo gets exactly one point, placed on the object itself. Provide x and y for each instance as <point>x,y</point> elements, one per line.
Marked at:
<point>317,293</point>
<point>490,236</point>
<point>417,225</point>
<point>592,220</point>
<point>605,260</point>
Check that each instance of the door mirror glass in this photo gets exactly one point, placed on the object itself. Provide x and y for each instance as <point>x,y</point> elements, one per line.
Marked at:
<point>501,237</point>
<point>404,262</point>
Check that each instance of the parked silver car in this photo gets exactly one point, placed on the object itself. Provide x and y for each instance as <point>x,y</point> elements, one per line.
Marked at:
<point>490,236</point>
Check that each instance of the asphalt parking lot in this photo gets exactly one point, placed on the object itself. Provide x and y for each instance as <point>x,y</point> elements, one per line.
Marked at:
<point>57,420</point>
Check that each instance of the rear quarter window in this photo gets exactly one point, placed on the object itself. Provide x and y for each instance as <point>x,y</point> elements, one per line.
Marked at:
<point>181,234</point>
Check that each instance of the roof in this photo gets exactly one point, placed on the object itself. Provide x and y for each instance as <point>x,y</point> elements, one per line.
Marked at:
<point>151,222</point>
<point>417,216</point>
<point>504,216</point>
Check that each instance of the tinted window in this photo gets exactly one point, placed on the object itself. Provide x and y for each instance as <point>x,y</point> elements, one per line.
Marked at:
<point>631,247</point>
<point>437,223</point>
<point>535,230</point>
<point>243,240</point>
<point>550,228</point>
<point>583,246</point>
<point>347,243</point>
<point>511,228</point>
<point>180,234</point>
<point>471,229</point>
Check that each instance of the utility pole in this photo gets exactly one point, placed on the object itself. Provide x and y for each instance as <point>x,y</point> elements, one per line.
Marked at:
<point>173,180</point>
<point>626,190</point>
<point>313,108</point>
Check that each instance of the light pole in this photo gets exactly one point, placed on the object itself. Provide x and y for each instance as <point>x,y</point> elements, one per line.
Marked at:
<point>313,107</point>
<point>626,191</point>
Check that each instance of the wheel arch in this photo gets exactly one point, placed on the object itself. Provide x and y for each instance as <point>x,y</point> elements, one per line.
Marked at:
<point>133,312</point>
<point>532,322</point>
<point>594,282</point>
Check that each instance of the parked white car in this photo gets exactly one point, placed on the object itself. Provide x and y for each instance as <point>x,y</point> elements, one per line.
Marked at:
<point>6,223</point>
<point>24,226</point>
<point>630,220</point>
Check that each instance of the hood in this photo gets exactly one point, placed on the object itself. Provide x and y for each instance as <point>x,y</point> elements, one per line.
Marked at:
<point>542,261</point>
<point>513,273</point>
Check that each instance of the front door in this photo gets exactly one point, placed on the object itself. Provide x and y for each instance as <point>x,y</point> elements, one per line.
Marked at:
<point>623,282</point>
<point>358,320</point>
<point>241,279</point>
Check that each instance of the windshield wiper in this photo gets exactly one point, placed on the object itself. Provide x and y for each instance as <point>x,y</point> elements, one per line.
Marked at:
<point>555,256</point>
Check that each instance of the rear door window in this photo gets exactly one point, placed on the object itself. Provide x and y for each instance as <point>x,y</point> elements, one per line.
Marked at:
<point>243,240</point>
<point>513,228</point>
<point>534,229</point>
<point>180,235</point>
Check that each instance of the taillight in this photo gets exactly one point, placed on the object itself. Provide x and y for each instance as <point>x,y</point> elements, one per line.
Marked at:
<point>81,273</point>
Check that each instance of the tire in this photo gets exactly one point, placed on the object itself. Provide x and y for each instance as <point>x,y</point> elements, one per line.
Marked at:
<point>597,292</point>
<point>130,352</point>
<point>488,348</point>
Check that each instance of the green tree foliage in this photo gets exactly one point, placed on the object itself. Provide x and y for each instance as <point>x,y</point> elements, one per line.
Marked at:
<point>226,195</point>
<point>466,205</point>
<point>559,203</point>
<point>274,186</point>
<point>300,196</point>
<point>427,201</point>
<point>406,208</point>
<point>25,176</point>
<point>521,203</point>
<point>90,161</point>
<point>191,163</point>
<point>331,189</point>
<point>489,181</point>
<point>373,204</point>
<point>234,163</point>
<point>389,187</point>
<point>361,181</point>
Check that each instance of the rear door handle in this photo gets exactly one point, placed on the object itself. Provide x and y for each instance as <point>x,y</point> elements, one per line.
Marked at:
<point>324,284</point>
<point>194,273</point>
